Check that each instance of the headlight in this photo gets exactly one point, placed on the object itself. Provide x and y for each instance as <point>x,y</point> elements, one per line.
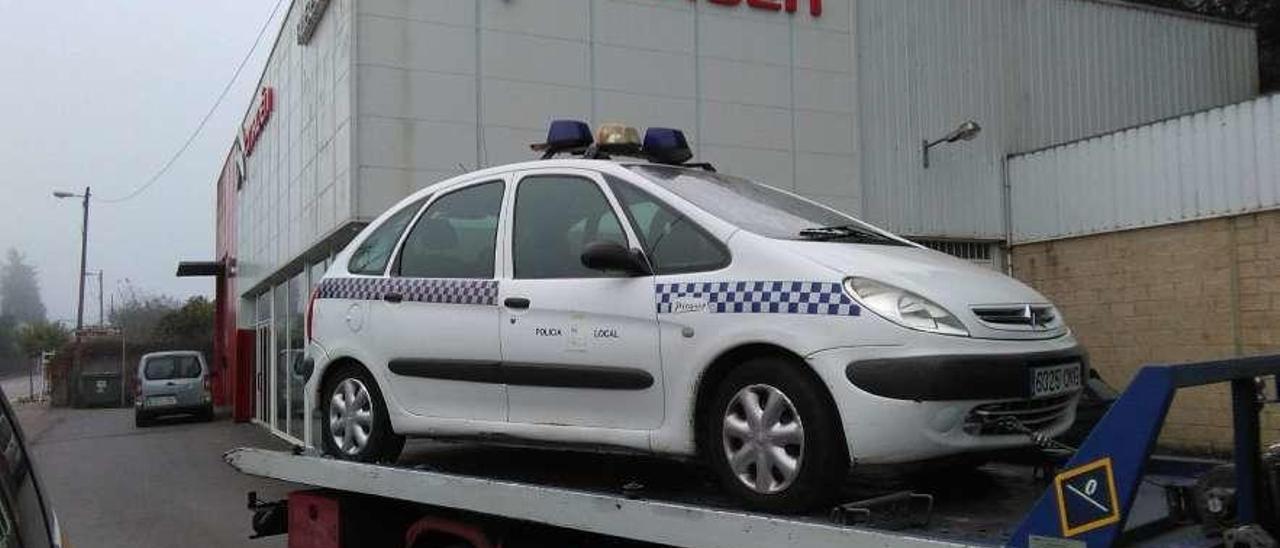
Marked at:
<point>904,307</point>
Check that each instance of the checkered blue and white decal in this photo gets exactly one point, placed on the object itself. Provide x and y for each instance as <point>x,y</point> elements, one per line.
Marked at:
<point>423,290</point>
<point>762,297</point>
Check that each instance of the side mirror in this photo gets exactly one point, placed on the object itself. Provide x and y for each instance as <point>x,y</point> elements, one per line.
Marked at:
<point>614,257</point>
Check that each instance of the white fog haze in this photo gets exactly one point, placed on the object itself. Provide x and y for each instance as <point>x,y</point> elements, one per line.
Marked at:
<point>102,93</point>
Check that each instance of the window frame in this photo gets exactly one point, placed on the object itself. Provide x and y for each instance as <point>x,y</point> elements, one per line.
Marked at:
<point>613,181</point>
<point>422,202</point>
<point>595,177</point>
<point>393,265</point>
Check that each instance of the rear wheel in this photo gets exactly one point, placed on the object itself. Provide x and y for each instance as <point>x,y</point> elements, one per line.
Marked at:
<point>773,439</point>
<point>140,420</point>
<point>355,425</point>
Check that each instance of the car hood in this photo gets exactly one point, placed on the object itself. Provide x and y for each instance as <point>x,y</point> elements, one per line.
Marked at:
<point>957,285</point>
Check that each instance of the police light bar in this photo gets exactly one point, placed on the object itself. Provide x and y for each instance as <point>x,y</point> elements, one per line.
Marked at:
<point>565,136</point>
<point>617,139</point>
<point>666,146</point>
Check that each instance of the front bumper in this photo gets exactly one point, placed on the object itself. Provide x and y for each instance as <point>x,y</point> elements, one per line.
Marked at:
<point>942,397</point>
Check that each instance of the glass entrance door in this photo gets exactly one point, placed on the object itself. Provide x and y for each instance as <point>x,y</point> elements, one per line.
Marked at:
<point>261,365</point>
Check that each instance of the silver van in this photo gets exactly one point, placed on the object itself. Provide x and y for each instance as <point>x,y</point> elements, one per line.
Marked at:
<point>172,383</point>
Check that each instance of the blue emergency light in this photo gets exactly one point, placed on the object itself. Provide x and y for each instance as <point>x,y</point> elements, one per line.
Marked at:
<point>666,146</point>
<point>660,145</point>
<point>565,136</point>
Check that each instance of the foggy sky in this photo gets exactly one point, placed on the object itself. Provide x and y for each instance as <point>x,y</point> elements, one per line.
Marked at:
<point>102,93</point>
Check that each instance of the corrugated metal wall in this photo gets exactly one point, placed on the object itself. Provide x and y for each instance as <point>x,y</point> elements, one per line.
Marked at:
<point>1032,73</point>
<point>1217,162</point>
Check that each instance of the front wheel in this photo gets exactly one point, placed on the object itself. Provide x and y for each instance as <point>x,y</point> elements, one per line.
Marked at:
<point>355,425</point>
<point>773,439</point>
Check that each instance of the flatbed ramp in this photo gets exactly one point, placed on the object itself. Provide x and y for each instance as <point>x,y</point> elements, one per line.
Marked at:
<point>1133,498</point>
<point>660,522</point>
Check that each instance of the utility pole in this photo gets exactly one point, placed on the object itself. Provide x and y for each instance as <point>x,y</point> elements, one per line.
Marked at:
<point>84,248</point>
<point>84,251</point>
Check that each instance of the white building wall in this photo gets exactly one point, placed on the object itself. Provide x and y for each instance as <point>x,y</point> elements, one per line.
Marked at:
<point>297,183</point>
<point>446,86</point>
<point>1224,161</point>
<point>392,95</point>
<point>1032,73</point>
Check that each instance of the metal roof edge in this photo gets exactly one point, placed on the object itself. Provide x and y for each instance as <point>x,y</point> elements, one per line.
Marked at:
<point>1124,4</point>
<point>1258,98</point>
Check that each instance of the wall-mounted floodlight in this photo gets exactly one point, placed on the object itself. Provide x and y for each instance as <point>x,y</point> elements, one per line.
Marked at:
<point>965,132</point>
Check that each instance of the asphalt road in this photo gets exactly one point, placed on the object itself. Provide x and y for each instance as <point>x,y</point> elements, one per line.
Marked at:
<point>114,485</point>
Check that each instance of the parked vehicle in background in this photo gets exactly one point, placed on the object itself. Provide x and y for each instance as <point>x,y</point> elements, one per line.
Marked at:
<point>27,519</point>
<point>172,383</point>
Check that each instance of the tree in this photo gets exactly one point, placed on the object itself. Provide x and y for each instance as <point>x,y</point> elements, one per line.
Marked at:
<point>37,337</point>
<point>8,338</point>
<point>191,325</point>
<point>140,315</point>
<point>20,290</point>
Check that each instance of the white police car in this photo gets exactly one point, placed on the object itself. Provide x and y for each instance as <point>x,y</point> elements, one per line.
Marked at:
<point>622,299</point>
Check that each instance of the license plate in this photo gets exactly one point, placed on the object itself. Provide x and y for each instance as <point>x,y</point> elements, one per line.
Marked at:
<point>161,401</point>
<point>1055,380</point>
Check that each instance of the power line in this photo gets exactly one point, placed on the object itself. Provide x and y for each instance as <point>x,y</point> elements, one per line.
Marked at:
<point>187,144</point>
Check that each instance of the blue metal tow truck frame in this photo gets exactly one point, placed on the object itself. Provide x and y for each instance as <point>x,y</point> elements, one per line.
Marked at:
<point>1086,504</point>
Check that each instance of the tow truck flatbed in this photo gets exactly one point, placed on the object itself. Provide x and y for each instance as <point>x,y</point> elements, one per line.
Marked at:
<point>657,502</point>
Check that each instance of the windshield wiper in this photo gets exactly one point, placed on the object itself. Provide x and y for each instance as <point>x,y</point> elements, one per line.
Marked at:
<point>847,232</point>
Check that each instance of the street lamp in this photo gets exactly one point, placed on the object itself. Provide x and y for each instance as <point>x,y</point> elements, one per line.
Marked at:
<point>80,306</point>
<point>965,132</point>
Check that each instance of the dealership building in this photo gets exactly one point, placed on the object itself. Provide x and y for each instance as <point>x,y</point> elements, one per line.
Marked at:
<point>365,101</point>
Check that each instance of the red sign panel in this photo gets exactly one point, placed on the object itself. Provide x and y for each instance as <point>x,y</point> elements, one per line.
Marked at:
<point>790,6</point>
<point>266,105</point>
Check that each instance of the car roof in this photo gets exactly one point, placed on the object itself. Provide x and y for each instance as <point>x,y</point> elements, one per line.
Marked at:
<point>196,353</point>
<point>563,163</point>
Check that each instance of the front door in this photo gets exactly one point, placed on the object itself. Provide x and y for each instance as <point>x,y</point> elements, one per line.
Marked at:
<point>436,321</point>
<point>579,346</point>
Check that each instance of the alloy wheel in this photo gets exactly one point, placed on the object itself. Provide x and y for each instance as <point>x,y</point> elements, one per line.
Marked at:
<point>763,438</point>
<point>350,416</point>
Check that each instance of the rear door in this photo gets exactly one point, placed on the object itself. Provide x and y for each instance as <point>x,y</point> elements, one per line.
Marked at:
<point>437,318</point>
<point>580,347</point>
<point>172,380</point>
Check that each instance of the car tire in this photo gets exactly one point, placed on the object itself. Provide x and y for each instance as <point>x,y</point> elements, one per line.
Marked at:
<point>140,420</point>
<point>380,443</point>
<point>798,438</point>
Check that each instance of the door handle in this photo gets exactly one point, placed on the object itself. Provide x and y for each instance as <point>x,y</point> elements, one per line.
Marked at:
<point>393,298</point>
<point>518,303</point>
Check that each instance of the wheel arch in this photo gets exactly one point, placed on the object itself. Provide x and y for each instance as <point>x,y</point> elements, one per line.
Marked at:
<point>727,361</point>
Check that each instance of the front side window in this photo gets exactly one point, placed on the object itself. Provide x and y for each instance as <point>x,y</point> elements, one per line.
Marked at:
<point>373,253</point>
<point>456,236</point>
<point>672,241</point>
<point>163,368</point>
<point>763,209</point>
<point>556,217</point>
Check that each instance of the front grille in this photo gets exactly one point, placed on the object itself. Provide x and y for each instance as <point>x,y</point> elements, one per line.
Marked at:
<point>992,419</point>
<point>1024,316</point>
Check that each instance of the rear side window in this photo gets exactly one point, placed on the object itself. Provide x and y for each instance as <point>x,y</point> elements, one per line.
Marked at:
<point>163,368</point>
<point>374,252</point>
<point>456,236</point>
<point>673,242</point>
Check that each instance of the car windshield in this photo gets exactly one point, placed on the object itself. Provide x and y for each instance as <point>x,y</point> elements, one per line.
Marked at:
<point>762,209</point>
<point>162,368</point>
